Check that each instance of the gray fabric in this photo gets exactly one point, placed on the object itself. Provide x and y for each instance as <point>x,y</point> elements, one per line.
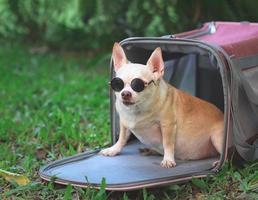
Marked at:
<point>245,106</point>
<point>245,124</point>
<point>209,82</point>
<point>245,62</point>
<point>181,73</point>
<point>250,83</point>
<point>169,70</point>
<point>256,149</point>
<point>127,168</point>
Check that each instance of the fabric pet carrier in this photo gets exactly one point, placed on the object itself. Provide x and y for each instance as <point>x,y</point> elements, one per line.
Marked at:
<point>217,63</point>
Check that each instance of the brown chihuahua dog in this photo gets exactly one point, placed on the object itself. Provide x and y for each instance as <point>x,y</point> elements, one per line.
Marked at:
<point>169,121</point>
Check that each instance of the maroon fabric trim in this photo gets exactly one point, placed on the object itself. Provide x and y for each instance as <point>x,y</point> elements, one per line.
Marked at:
<point>238,39</point>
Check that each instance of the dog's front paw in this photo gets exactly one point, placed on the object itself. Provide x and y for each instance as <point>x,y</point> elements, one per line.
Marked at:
<point>167,163</point>
<point>111,151</point>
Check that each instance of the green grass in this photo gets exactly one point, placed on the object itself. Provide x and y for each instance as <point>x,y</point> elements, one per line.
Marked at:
<point>54,105</point>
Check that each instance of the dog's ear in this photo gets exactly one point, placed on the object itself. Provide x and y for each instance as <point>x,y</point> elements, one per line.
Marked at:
<point>156,63</point>
<point>118,56</point>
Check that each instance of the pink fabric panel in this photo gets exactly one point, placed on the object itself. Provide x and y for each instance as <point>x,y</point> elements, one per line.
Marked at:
<point>237,39</point>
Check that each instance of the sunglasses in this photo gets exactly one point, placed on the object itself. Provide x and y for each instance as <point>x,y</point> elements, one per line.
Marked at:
<point>137,84</point>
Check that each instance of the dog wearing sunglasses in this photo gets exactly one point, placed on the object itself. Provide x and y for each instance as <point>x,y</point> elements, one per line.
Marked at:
<point>167,120</point>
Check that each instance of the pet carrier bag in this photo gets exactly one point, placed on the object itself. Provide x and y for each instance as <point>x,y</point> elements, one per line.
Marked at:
<point>217,63</point>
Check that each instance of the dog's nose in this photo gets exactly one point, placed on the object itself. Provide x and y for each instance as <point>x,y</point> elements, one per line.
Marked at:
<point>126,95</point>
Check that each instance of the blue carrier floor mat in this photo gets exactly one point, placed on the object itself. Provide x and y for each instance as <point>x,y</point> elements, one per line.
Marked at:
<point>126,171</point>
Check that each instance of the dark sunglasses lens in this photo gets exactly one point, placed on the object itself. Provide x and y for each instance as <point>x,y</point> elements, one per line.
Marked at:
<point>137,85</point>
<point>117,84</point>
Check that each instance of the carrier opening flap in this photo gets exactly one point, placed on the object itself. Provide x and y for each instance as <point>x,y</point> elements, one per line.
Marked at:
<point>127,171</point>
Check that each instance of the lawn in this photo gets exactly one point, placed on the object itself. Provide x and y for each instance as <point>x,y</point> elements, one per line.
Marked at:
<point>54,105</point>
